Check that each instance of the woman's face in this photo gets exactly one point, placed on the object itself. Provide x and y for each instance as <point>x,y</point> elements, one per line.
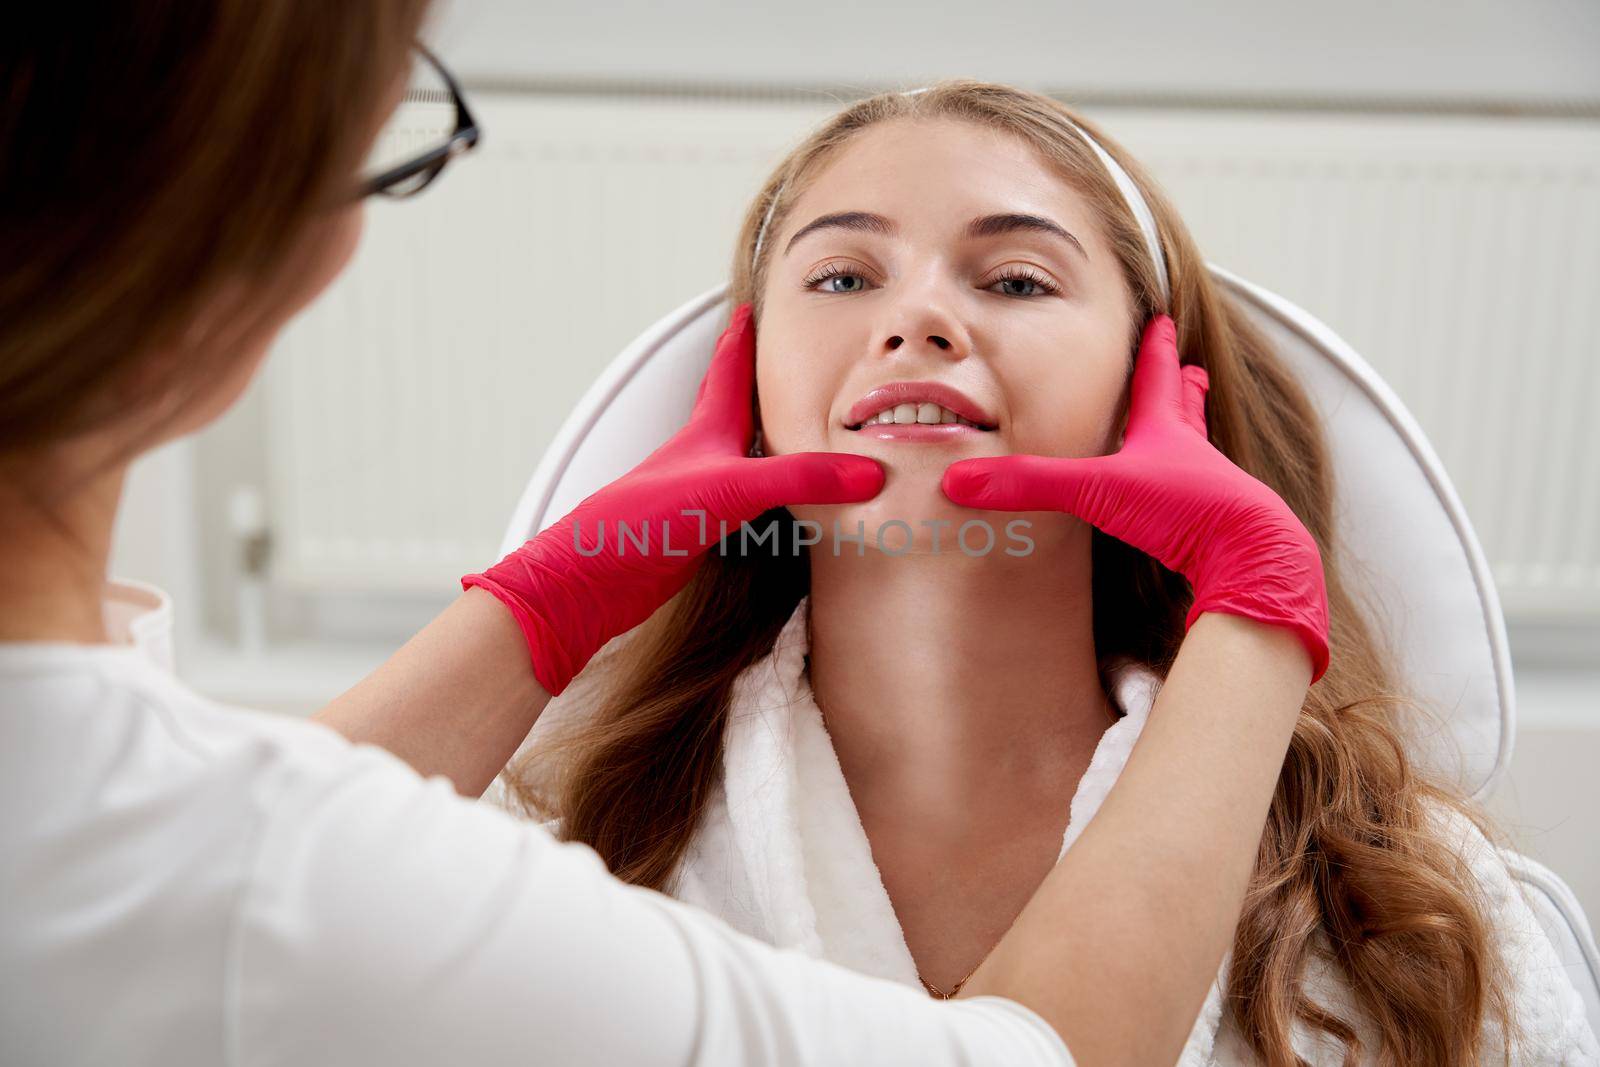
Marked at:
<point>1031,325</point>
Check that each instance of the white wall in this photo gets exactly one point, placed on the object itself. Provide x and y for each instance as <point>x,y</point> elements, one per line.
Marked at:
<point>1529,52</point>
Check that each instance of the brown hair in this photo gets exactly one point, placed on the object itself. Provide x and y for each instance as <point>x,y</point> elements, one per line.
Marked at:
<point>1350,867</point>
<point>150,155</point>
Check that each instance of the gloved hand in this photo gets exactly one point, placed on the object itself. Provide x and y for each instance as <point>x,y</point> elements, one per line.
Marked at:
<point>570,603</point>
<point>1171,494</point>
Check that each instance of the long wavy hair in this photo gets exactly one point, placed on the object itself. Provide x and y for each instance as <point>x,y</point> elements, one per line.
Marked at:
<point>1350,865</point>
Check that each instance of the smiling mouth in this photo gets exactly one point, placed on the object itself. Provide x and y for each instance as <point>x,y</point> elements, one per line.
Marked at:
<point>923,414</point>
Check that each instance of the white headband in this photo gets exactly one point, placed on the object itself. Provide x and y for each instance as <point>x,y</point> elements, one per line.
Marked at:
<point>1130,194</point>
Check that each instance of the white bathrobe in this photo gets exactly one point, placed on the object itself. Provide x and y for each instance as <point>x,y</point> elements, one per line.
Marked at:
<point>781,854</point>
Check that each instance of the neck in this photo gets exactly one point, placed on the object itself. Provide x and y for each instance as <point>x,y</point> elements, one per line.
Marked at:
<point>945,679</point>
<point>54,555</point>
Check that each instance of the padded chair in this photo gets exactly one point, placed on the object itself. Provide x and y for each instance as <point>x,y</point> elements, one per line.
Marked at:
<point>1402,527</point>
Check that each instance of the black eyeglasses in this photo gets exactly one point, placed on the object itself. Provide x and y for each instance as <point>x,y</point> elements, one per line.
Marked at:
<point>414,175</point>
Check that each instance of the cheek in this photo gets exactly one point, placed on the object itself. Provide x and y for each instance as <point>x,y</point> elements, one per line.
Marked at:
<point>793,403</point>
<point>1070,409</point>
<point>330,245</point>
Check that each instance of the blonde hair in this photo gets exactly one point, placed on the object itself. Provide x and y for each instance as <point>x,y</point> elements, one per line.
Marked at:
<point>1351,866</point>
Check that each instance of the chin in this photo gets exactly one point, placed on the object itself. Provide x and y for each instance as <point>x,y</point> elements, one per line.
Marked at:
<point>907,499</point>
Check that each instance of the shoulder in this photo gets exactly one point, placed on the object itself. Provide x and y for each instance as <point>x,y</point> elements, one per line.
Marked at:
<point>1550,1011</point>
<point>111,738</point>
<point>134,817</point>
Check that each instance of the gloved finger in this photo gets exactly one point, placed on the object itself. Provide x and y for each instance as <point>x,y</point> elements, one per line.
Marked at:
<point>810,478</point>
<point>725,401</point>
<point>1195,384</point>
<point>1017,482</point>
<point>1157,383</point>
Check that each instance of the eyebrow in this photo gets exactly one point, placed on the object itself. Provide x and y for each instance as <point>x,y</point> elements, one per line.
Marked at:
<point>983,226</point>
<point>863,221</point>
<point>990,225</point>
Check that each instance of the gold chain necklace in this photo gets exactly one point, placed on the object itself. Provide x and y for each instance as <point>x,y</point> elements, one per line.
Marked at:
<point>939,994</point>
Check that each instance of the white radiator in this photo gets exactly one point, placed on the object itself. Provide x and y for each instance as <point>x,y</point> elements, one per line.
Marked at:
<point>407,409</point>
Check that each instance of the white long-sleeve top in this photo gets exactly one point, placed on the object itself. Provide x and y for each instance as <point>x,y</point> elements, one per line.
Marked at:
<point>184,883</point>
<point>781,855</point>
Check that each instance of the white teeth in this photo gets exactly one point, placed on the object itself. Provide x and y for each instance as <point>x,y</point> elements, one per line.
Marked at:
<point>926,413</point>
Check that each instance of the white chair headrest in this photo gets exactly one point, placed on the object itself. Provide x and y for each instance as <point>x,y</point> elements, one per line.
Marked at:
<point>1409,549</point>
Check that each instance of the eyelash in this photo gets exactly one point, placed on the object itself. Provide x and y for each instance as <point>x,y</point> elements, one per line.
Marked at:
<point>1021,274</point>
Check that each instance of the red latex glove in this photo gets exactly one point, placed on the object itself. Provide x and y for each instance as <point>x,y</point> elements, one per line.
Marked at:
<point>569,604</point>
<point>1171,494</point>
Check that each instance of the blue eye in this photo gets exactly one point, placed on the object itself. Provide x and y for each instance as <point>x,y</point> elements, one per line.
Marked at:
<point>843,279</point>
<point>1026,277</point>
<point>833,271</point>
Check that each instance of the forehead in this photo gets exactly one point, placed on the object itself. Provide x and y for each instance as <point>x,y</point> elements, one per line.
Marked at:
<point>940,173</point>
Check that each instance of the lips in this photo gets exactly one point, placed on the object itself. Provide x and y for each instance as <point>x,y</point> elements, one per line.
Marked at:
<point>915,392</point>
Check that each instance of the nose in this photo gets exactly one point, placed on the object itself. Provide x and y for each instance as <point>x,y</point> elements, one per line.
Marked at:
<point>924,327</point>
<point>934,339</point>
<point>922,319</point>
